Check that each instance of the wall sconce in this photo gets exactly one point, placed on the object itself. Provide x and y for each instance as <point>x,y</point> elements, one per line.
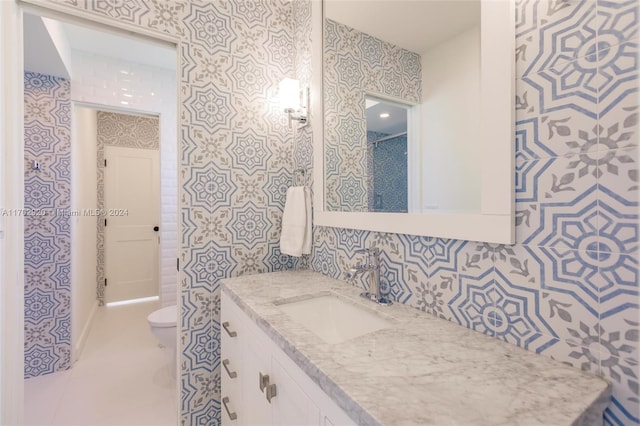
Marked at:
<point>294,101</point>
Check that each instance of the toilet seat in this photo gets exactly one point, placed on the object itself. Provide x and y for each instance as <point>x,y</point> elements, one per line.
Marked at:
<point>164,318</point>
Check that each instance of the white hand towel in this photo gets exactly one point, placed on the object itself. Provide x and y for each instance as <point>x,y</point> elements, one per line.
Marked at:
<point>306,244</point>
<point>294,222</point>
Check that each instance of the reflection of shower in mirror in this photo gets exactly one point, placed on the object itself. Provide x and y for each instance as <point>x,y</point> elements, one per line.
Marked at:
<point>386,170</point>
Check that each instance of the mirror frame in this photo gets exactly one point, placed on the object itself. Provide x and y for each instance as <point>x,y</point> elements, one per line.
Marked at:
<point>494,222</point>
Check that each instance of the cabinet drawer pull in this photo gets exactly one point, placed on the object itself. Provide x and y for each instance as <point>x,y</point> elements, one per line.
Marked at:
<point>231,415</point>
<point>263,381</point>
<point>271,392</point>
<point>231,374</point>
<point>225,325</point>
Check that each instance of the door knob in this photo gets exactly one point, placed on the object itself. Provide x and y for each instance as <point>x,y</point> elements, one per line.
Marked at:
<point>263,381</point>
<point>271,392</point>
<point>156,228</point>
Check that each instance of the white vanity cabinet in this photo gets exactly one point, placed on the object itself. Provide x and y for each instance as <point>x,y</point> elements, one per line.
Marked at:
<point>261,385</point>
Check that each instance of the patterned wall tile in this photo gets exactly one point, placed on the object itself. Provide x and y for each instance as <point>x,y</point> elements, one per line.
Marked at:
<point>618,244</point>
<point>552,32</point>
<point>394,282</point>
<point>209,26</point>
<point>617,22</point>
<point>249,225</point>
<point>276,259</point>
<point>47,249</point>
<point>324,260</point>
<point>473,305</point>
<point>125,130</point>
<point>249,152</point>
<point>557,179</point>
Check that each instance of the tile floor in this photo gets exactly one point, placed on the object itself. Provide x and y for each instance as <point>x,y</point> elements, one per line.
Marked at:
<point>121,379</point>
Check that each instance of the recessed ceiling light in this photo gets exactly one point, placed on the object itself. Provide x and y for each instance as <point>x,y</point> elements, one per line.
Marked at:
<point>124,102</point>
<point>384,115</point>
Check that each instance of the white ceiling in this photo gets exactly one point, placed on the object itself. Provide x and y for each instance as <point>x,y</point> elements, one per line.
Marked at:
<point>395,123</point>
<point>40,54</point>
<point>126,48</point>
<point>416,25</point>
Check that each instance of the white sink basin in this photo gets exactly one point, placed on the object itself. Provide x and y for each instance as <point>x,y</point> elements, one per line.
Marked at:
<point>333,319</point>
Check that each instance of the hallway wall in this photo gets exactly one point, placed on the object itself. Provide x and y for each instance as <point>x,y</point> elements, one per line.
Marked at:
<point>47,241</point>
<point>84,252</point>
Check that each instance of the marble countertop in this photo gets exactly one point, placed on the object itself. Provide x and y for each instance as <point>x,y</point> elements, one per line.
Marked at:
<point>421,370</point>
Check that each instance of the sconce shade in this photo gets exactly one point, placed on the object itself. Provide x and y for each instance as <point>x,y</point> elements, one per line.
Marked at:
<point>290,94</point>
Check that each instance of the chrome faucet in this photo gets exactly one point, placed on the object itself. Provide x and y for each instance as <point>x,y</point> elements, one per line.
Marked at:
<point>372,266</point>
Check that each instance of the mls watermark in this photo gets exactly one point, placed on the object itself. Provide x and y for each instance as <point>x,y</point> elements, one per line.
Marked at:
<point>64,212</point>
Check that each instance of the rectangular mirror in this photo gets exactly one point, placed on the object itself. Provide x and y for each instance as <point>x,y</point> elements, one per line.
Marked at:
<point>413,125</point>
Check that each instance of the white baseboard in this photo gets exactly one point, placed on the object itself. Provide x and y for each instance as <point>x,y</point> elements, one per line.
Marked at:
<point>85,332</point>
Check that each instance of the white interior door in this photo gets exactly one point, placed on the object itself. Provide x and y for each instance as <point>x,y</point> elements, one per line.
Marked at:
<point>132,203</point>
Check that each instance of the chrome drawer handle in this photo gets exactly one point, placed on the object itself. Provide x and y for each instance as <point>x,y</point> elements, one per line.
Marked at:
<point>271,392</point>
<point>231,415</point>
<point>263,381</point>
<point>231,374</point>
<point>225,325</point>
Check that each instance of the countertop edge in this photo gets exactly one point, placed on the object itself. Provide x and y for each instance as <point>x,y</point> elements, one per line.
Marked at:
<point>593,414</point>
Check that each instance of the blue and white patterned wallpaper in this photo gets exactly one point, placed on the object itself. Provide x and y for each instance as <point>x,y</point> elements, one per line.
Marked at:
<point>236,163</point>
<point>568,288</point>
<point>47,239</point>
<point>357,64</point>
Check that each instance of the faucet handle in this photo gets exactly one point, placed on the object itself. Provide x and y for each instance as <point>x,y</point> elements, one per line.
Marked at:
<point>372,253</point>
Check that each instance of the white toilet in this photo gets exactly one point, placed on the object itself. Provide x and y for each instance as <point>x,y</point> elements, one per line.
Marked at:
<point>163,326</point>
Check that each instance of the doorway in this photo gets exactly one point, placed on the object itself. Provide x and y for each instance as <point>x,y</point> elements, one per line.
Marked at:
<point>131,195</point>
<point>130,76</point>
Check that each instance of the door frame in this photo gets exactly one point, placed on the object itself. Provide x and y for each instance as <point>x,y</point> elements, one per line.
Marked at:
<point>12,182</point>
<point>143,113</point>
<point>159,207</point>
